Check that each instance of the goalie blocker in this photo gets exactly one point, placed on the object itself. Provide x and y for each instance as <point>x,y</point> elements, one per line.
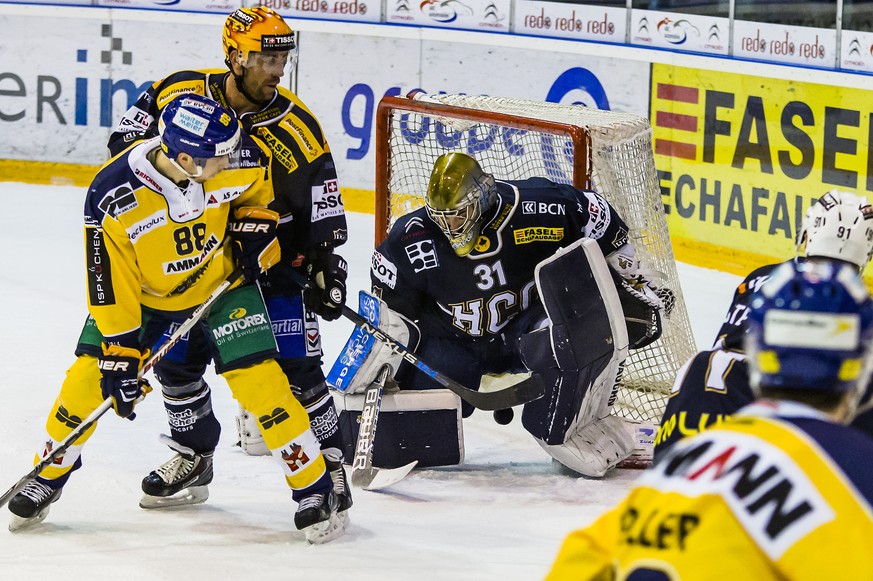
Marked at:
<point>578,348</point>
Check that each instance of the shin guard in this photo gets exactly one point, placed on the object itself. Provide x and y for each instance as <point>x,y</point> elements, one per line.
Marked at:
<point>189,413</point>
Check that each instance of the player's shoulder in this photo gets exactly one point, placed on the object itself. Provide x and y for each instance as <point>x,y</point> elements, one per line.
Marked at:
<point>755,279</point>
<point>412,227</point>
<point>539,186</point>
<point>286,108</point>
<point>181,82</point>
<point>847,447</point>
<point>112,191</point>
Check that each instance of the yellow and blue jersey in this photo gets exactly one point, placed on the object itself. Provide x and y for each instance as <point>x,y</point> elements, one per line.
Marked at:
<point>149,242</point>
<point>777,492</point>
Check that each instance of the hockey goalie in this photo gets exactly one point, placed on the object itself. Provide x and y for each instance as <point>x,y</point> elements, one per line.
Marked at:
<point>505,277</point>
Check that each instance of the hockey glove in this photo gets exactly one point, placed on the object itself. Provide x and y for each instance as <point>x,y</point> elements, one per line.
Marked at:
<point>119,367</point>
<point>255,247</point>
<point>325,294</point>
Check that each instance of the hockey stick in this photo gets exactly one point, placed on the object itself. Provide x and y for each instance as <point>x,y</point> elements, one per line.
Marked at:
<point>107,403</point>
<point>519,393</point>
<point>364,475</point>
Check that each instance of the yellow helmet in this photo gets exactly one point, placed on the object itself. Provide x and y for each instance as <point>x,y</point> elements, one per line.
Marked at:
<point>458,195</point>
<point>257,29</point>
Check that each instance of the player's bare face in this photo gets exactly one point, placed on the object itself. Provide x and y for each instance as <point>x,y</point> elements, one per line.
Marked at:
<point>264,72</point>
<point>213,167</point>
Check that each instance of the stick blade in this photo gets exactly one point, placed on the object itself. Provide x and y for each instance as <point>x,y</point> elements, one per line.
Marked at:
<point>377,478</point>
<point>524,391</point>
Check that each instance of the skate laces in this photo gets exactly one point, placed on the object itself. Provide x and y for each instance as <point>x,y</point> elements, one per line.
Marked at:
<point>311,501</point>
<point>37,492</point>
<point>338,475</point>
<point>175,469</point>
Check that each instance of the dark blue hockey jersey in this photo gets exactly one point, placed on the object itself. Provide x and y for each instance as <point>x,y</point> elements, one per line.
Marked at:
<point>473,298</point>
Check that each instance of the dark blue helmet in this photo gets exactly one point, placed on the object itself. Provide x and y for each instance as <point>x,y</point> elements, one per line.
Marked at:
<point>811,327</point>
<point>198,126</point>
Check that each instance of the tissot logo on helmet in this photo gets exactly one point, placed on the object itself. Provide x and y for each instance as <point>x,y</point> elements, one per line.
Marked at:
<point>241,17</point>
<point>277,42</point>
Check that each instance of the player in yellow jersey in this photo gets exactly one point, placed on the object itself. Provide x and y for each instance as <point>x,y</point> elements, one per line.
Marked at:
<point>783,490</point>
<point>259,50</point>
<point>156,221</point>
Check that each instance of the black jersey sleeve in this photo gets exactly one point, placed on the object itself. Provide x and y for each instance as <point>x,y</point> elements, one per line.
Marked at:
<point>708,389</point>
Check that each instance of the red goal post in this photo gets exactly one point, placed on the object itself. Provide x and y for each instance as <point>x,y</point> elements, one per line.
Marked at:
<point>607,151</point>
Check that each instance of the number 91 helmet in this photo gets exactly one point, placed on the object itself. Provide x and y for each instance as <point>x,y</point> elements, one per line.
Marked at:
<point>458,195</point>
<point>199,127</point>
<point>840,226</point>
<point>811,328</point>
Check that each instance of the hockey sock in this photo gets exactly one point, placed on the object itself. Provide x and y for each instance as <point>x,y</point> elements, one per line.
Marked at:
<point>324,422</point>
<point>189,412</point>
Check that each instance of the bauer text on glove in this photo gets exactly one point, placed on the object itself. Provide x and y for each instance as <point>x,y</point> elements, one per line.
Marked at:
<point>119,369</point>
<point>256,247</point>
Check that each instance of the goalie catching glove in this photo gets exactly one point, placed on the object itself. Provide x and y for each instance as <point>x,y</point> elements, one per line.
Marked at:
<point>119,368</point>
<point>325,294</point>
<point>639,283</point>
<point>255,247</point>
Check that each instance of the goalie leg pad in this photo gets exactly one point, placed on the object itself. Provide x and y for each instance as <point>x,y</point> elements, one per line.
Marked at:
<point>587,341</point>
<point>413,425</point>
<point>363,355</point>
<point>594,449</point>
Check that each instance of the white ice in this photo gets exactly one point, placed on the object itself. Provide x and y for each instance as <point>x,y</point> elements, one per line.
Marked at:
<point>500,516</point>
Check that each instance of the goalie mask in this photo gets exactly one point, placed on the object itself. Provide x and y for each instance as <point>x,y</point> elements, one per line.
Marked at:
<point>811,328</point>
<point>201,128</point>
<point>458,195</point>
<point>840,226</point>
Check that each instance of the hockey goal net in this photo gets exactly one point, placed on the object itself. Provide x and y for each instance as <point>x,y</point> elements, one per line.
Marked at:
<point>514,139</point>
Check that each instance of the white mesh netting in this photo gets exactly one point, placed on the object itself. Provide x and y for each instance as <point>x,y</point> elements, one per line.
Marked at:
<point>620,165</point>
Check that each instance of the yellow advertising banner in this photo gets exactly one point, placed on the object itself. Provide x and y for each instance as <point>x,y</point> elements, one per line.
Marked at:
<point>741,158</point>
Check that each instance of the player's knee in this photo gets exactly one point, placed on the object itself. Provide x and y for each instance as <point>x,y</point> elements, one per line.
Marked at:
<point>306,379</point>
<point>81,388</point>
<point>258,388</point>
<point>175,373</point>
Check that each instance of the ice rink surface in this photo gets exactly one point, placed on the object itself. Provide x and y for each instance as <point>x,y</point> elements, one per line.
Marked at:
<point>500,516</point>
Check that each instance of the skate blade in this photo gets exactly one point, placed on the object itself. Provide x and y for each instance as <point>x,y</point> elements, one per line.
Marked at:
<point>191,495</point>
<point>17,523</point>
<point>378,478</point>
<point>327,530</point>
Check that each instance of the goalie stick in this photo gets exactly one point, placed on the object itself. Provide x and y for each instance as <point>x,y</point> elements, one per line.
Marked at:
<point>62,447</point>
<point>364,474</point>
<point>519,393</point>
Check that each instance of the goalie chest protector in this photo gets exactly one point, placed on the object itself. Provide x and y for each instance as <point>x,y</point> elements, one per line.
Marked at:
<point>412,425</point>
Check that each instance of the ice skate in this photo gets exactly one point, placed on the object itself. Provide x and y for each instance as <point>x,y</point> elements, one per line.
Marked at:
<point>180,481</point>
<point>31,505</point>
<point>334,463</point>
<point>318,518</point>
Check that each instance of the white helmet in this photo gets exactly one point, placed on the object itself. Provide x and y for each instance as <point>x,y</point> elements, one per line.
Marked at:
<point>839,225</point>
